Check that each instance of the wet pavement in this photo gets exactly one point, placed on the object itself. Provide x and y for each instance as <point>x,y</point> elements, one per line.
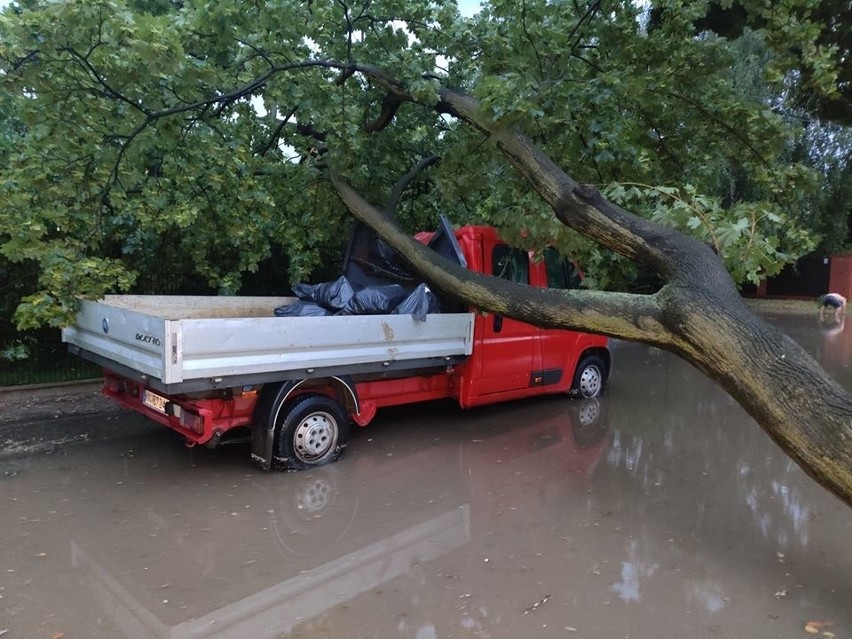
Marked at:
<point>660,511</point>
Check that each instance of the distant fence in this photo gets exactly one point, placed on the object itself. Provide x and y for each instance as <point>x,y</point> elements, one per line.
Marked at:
<point>39,357</point>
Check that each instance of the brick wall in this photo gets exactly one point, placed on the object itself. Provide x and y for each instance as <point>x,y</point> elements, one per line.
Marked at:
<point>840,278</point>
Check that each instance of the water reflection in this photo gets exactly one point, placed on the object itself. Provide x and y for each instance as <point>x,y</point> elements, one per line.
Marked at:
<point>829,341</point>
<point>281,607</point>
<point>709,597</point>
<point>836,342</point>
<point>632,572</point>
<point>690,438</point>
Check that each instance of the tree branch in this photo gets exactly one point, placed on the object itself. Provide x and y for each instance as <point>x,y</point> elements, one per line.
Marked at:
<point>530,39</point>
<point>634,317</point>
<point>390,105</point>
<point>90,70</point>
<point>263,149</point>
<point>590,10</point>
<point>404,181</point>
<point>580,208</point>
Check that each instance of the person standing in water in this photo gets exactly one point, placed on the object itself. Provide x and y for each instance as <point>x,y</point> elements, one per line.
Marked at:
<point>834,301</point>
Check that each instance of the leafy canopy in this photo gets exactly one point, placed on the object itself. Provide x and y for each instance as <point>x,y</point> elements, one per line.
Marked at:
<point>137,129</point>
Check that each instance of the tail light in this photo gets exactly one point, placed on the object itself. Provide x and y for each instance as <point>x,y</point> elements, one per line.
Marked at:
<point>115,384</point>
<point>190,421</point>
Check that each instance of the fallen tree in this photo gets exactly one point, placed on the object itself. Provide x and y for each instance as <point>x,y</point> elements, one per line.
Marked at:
<point>698,314</point>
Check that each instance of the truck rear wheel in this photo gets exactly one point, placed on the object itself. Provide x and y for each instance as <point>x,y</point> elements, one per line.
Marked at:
<point>590,377</point>
<point>312,430</point>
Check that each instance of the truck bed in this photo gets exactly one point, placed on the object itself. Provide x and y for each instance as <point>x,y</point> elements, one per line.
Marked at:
<point>191,343</point>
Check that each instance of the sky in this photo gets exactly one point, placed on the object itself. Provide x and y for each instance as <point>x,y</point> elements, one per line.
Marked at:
<point>466,7</point>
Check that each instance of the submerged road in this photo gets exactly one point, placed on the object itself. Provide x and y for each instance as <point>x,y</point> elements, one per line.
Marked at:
<point>660,511</point>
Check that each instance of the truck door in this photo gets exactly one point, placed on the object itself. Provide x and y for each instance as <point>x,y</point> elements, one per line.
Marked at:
<point>558,347</point>
<point>510,349</point>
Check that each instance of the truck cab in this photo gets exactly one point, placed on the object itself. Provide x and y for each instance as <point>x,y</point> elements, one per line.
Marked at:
<point>513,359</point>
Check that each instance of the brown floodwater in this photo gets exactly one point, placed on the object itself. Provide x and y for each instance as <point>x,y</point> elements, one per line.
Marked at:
<point>660,511</point>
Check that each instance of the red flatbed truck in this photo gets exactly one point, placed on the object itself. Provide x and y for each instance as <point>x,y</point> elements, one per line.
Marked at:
<point>206,366</point>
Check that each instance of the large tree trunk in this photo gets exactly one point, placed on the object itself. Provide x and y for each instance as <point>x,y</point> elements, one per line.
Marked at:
<point>698,314</point>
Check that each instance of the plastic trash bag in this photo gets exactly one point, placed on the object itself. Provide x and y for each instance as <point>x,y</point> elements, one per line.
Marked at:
<point>301,309</point>
<point>331,295</point>
<point>340,297</point>
<point>375,300</point>
<point>419,303</point>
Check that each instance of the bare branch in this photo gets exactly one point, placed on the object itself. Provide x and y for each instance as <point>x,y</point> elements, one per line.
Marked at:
<point>390,105</point>
<point>83,61</point>
<point>530,39</point>
<point>260,53</point>
<point>593,8</point>
<point>263,149</point>
<point>344,76</point>
<point>405,180</point>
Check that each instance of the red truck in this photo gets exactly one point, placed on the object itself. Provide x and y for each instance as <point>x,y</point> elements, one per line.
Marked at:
<point>212,367</point>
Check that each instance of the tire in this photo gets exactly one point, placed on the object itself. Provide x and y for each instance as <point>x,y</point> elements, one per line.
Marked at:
<point>312,430</point>
<point>590,377</point>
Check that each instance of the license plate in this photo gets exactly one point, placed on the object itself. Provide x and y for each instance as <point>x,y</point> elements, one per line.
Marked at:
<point>152,400</point>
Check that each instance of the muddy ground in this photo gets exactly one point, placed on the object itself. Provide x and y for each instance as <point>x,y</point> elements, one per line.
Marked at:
<point>38,403</point>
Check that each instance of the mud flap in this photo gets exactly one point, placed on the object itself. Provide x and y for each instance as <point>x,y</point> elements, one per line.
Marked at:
<point>263,424</point>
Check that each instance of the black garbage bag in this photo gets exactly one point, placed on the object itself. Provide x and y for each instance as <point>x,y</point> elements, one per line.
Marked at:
<point>302,309</point>
<point>331,295</point>
<point>375,300</point>
<point>419,303</point>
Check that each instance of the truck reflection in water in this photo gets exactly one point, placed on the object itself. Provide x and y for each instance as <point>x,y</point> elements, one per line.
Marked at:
<point>333,533</point>
<point>279,608</point>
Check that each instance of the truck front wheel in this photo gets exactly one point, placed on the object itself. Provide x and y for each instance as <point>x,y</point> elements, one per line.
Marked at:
<point>590,377</point>
<point>314,431</point>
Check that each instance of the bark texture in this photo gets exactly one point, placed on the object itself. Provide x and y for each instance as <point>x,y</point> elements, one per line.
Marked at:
<point>698,314</point>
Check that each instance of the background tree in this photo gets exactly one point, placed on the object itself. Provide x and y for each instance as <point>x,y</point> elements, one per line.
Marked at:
<point>813,38</point>
<point>795,57</point>
<point>227,126</point>
<point>212,188</point>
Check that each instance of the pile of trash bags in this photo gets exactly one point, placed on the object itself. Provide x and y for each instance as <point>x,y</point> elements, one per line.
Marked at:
<point>342,297</point>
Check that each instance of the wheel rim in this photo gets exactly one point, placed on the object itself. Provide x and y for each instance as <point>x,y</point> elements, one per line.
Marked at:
<point>314,437</point>
<point>591,381</point>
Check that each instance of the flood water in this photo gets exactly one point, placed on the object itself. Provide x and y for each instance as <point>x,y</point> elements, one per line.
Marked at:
<point>661,511</point>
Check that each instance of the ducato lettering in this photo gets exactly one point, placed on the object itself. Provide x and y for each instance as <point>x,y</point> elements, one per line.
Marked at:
<point>147,339</point>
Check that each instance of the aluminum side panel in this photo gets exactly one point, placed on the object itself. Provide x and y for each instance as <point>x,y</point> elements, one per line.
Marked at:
<point>222,347</point>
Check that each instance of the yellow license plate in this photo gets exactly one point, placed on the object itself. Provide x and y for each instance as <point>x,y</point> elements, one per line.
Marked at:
<point>152,400</point>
